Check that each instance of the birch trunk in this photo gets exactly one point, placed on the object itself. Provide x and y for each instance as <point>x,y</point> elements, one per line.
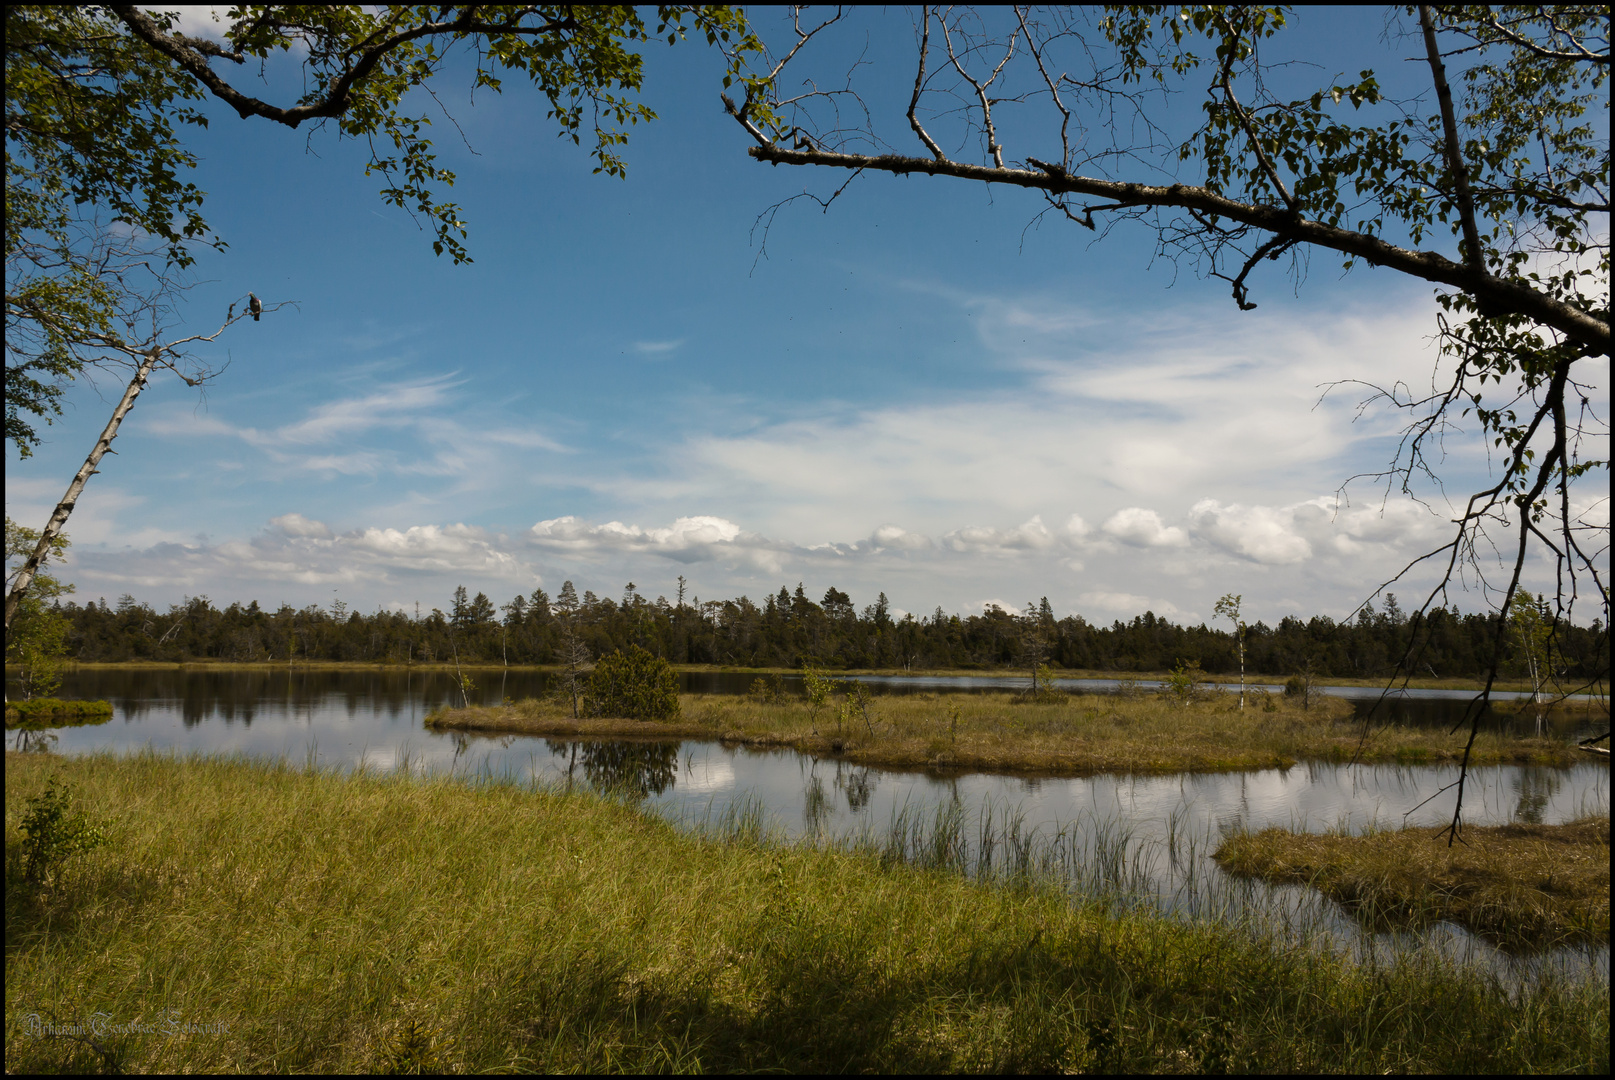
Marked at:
<point>58,519</point>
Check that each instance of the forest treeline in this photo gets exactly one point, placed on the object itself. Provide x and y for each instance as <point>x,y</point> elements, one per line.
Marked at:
<point>791,630</point>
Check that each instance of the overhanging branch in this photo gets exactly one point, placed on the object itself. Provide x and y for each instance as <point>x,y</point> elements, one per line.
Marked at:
<point>1503,294</point>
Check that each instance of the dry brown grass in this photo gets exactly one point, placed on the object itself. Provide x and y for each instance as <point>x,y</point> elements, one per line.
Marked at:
<point>1521,886</point>
<point>1075,735</point>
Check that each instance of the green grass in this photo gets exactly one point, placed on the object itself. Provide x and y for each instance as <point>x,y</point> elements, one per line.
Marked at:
<point>1521,886</point>
<point>281,919</point>
<point>1075,735</point>
<point>36,713</point>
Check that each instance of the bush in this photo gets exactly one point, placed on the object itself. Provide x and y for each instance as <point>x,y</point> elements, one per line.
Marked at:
<point>54,832</point>
<point>1295,687</point>
<point>1183,685</point>
<point>769,691</point>
<point>633,684</point>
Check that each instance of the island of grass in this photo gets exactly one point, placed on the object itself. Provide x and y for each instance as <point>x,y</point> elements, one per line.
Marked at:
<point>251,917</point>
<point>1520,886</point>
<point>54,712</point>
<point>1061,735</point>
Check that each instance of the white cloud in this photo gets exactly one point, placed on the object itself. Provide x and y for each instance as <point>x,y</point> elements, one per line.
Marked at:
<point>406,428</point>
<point>1114,602</point>
<point>206,21</point>
<point>656,348</point>
<point>1259,533</point>
<point>1143,528</point>
<point>1032,536</point>
<point>298,525</point>
<point>899,539</point>
<point>693,539</point>
<point>301,555</point>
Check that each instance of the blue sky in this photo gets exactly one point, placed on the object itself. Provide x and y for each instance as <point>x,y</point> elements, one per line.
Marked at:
<point>912,393</point>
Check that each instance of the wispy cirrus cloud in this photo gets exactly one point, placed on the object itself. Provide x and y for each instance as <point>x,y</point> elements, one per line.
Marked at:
<point>409,428</point>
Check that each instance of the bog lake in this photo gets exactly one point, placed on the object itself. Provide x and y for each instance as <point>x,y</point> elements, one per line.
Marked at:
<point>1136,839</point>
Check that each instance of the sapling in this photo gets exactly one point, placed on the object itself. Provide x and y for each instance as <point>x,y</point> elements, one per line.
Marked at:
<point>1228,608</point>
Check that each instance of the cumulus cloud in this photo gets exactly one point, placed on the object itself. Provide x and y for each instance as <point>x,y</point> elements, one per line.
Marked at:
<point>296,553</point>
<point>298,525</point>
<point>1143,528</point>
<point>899,539</point>
<point>699,538</point>
<point>1032,536</point>
<point>1262,534</point>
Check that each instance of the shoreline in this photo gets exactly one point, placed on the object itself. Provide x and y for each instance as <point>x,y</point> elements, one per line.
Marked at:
<point>1008,675</point>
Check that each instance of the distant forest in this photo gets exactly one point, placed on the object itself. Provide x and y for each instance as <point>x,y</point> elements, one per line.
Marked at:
<point>790,631</point>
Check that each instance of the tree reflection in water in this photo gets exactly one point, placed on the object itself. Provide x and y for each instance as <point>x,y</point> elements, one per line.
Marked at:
<point>636,769</point>
<point>1535,786</point>
<point>857,783</point>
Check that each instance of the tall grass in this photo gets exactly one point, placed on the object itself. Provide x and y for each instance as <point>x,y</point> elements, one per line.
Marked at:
<point>253,917</point>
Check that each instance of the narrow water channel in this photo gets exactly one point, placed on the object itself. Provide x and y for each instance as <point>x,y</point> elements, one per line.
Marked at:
<point>1134,839</point>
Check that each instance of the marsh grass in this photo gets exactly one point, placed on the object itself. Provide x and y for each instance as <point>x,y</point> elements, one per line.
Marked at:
<point>269,917</point>
<point>54,712</point>
<point>1062,735</point>
<point>1520,886</point>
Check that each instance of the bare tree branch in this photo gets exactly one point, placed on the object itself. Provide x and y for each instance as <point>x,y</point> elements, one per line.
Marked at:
<point>1504,293</point>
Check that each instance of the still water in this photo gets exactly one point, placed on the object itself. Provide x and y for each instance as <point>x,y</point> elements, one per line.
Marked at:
<point>1146,838</point>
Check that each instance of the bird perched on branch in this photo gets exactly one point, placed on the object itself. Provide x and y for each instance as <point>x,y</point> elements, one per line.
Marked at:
<point>254,305</point>
<point>228,315</point>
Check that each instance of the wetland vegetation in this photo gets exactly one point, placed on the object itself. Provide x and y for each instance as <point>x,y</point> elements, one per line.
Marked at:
<point>1059,735</point>
<point>1519,885</point>
<point>251,916</point>
<point>54,712</point>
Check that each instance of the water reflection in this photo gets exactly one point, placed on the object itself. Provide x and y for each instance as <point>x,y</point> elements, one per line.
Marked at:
<point>1153,833</point>
<point>1535,787</point>
<point>637,769</point>
<point>246,695</point>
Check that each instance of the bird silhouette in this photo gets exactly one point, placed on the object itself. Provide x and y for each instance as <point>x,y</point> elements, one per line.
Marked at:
<point>254,305</point>
<point>228,315</point>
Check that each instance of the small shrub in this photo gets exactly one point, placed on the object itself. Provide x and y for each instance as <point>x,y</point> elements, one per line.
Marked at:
<point>767,691</point>
<point>1183,685</point>
<point>1128,687</point>
<point>53,832</point>
<point>1295,686</point>
<point>633,684</point>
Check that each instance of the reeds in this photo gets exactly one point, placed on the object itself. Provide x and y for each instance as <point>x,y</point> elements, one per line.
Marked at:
<point>262,917</point>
